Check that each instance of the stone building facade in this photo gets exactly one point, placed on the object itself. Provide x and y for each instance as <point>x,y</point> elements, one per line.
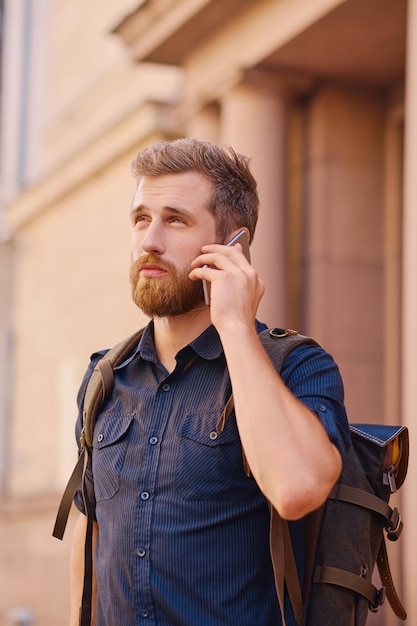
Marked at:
<point>321,95</point>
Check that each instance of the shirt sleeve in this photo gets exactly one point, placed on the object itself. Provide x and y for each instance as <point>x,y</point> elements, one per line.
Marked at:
<point>314,378</point>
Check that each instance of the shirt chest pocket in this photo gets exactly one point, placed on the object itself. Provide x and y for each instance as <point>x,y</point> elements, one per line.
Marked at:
<point>209,463</point>
<point>111,436</point>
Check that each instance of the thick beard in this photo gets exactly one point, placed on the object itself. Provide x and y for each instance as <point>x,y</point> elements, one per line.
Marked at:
<point>169,296</point>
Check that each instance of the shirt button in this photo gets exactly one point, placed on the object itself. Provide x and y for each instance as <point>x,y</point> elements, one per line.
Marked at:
<point>100,437</point>
<point>141,552</point>
<point>166,387</point>
<point>144,613</point>
<point>213,435</point>
<point>153,440</point>
<point>322,408</point>
<point>145,495</point>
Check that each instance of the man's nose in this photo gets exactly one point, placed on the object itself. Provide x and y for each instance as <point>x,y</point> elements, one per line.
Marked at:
<point>153,240</point>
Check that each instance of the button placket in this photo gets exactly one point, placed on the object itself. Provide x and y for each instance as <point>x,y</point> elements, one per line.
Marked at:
<point>148,494</point>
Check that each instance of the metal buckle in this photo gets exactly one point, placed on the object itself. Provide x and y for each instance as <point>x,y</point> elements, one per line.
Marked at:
<point>82,438</point>
<point>395,525</point>
<point>379,600</point>
<point>282,332</point>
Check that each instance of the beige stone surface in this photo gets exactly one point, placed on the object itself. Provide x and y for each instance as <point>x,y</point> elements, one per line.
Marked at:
<point>309,90</point>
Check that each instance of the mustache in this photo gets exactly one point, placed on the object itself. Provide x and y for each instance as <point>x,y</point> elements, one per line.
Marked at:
<point>151,259</point>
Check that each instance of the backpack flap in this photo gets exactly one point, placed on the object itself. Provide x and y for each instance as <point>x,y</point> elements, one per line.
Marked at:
<point>395,441</point>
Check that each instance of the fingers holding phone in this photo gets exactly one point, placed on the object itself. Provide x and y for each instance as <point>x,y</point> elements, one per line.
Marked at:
<point>231,286</point>
<point>241,238</point>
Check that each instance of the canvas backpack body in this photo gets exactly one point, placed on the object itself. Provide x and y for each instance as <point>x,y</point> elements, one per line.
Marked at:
<point>353,521</point>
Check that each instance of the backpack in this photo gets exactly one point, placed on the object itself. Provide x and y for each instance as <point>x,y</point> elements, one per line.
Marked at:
<point>344,538</point>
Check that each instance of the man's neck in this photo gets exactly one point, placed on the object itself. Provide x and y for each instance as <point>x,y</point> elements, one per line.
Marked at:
<point>174,333</point>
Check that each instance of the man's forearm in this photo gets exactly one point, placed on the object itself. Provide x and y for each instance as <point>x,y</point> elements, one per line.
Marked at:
<point>288,450</point>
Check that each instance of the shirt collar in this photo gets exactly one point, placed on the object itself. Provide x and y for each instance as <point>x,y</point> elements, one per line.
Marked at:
<point>207,345</point>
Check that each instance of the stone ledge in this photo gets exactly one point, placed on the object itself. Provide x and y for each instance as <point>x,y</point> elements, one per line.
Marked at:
<point>130,132</point>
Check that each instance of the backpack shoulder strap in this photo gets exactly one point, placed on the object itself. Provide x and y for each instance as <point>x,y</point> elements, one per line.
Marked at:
<point>101,383</point>
<point>278,343</point>
<point>98,389</point>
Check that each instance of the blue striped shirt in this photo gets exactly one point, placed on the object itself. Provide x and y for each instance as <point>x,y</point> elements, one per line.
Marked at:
<point>183,532</point>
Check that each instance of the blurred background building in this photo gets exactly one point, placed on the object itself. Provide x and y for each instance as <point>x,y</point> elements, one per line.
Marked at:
<point>321,94</point>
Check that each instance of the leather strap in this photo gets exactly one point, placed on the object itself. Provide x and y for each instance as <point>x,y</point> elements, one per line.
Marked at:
<point>87,596</point>
<point>230,405</point>
<point>107,377</point>
<point>343,578</point>
<point>386,579</point>
<point>277,548</point>
<point>290,570</point>
<point>68,497</point>
<point>284,566</point>
<point>101,382</point>
<point>375,597</point>
<point>363,499</point>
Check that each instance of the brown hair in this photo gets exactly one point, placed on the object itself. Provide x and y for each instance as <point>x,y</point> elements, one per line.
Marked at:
<point>234,201</point>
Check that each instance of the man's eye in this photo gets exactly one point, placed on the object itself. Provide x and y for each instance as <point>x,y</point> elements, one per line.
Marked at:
<point>138,219</point>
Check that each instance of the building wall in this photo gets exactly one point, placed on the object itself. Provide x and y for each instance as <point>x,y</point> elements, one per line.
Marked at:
<point>322,150</point>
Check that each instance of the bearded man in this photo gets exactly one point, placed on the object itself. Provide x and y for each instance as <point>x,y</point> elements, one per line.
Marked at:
<point>181,531</point>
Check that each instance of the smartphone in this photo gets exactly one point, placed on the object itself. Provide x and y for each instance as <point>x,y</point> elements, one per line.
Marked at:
<point>242,238</point>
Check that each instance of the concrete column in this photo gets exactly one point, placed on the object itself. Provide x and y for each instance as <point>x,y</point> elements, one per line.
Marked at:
<point>393,160</point>
<point>409,325</point>
<point>393,181</point>
<point>343,239</point>
<point>253,122</point>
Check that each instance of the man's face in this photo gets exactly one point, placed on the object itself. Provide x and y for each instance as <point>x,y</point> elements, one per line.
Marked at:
<point>171,221</point>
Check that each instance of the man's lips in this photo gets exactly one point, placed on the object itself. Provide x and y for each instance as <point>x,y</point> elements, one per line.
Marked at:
<point>152,271</point>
